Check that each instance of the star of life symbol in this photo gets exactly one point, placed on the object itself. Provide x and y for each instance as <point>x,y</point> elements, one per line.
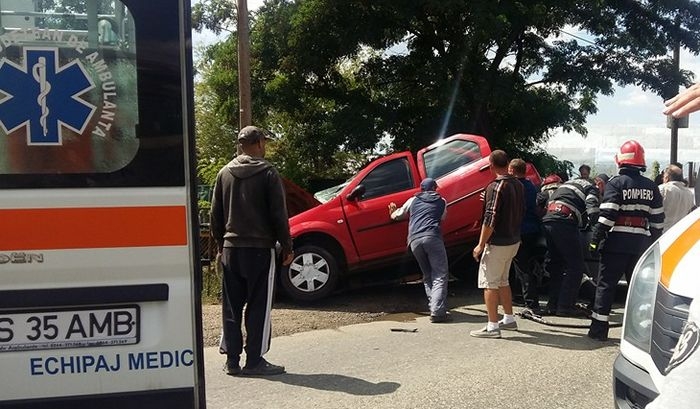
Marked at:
<point>44,96</point>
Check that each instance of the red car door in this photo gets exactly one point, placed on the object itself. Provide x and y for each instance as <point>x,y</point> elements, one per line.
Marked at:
<point>460,165</point>
<point>390,179</point>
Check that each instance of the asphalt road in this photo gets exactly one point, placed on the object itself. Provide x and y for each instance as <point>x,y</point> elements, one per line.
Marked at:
<point>437,366</point>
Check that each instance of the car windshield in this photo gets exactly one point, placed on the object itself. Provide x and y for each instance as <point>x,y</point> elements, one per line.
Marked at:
<point>327,194</point>
<point>450,156</point>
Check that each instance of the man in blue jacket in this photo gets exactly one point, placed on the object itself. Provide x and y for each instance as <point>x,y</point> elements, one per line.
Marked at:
<point>530,236</point>
<point>427,209</point>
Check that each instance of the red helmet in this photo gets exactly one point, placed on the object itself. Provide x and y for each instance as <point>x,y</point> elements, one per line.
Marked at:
<point>553,178</point>
<point>632,154</point>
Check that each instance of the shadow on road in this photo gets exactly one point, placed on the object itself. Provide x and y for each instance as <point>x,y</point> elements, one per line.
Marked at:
<point>559,339</point>
<point>337,383</point>
<point>386,298</point>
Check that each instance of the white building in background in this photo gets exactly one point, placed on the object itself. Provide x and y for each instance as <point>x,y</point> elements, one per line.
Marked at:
<point>599,147</point>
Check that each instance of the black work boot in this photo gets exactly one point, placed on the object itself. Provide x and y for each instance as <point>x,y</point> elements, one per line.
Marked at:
<point>599,330</point>
<point>263,368</point>
<point>232,367</point>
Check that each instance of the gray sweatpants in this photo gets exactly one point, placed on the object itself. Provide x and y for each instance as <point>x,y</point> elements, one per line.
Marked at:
<point>430,253</point>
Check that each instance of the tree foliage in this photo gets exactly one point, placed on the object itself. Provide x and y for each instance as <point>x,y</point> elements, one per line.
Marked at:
<point>338,75</point>
<point>214,15</point>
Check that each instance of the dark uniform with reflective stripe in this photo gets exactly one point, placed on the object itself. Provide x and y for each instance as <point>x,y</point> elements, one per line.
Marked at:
<point>569,209</point>
<point>631,218</point>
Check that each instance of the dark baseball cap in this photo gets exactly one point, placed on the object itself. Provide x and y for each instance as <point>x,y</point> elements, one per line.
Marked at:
<point>428,184</point>
<point>252,134</point>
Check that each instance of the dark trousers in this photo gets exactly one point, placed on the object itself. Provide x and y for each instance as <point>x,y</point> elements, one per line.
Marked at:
<point>249,275</point>
<point>430,253</point>
<point>612,267</point>
<point>522,263</point>
<point>564,264</point>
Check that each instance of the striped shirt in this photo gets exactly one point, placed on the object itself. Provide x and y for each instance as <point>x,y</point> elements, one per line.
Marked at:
<point>504,208</point>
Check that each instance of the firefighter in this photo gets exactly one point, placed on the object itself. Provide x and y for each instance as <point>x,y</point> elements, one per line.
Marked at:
<point>549,185</point>
<point>568,210</point>
<point>631,218</point>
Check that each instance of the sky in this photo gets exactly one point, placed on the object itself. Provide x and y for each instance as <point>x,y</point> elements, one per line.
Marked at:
<point>631,113</point>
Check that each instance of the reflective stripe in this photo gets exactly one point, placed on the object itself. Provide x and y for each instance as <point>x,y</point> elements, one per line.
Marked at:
<point>266,335</point>
<point>656,225</point>
<point>606,221</point>
<point>568,206</point>
<point>591,197</point>
<point>611,206</point>
<point>93,227</point>
<point>677,250</point>
<point>593,210</point>
<point>632,207</point>
<point>629,229</point>
<point>599,317</point>
<point>576,190</point>
<point>657,210</point>
<point>625,156</point>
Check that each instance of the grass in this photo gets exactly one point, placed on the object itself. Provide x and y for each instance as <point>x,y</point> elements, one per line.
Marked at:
<point>211,284</point>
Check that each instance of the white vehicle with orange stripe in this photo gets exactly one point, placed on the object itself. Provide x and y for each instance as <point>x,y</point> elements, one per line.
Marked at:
<point>664,283</point>
<point>99,258</point>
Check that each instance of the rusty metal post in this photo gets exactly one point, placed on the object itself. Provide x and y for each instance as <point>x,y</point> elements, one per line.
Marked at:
<point>244,65</point>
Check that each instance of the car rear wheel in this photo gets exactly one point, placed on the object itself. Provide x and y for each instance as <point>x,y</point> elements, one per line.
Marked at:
<point>312,275</point>
<point>535,265</point>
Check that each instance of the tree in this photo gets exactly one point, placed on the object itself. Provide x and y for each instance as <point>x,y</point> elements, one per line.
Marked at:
<point>214,15</point>
<point>60,21</point>
<point>655,170</point>
<point>341,74</point>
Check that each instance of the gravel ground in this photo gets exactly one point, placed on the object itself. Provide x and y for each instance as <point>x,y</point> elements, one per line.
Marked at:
<point>396,302</point>
<point>399,302</point>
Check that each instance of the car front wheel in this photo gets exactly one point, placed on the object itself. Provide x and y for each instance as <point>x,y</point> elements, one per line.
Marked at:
<point>312,275</point>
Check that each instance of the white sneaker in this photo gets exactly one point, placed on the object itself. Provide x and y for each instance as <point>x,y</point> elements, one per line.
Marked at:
<point>511,326</point>
<point>485,333</point>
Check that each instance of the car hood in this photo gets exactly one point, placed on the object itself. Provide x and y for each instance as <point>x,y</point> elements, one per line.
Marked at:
<point>298,199</point>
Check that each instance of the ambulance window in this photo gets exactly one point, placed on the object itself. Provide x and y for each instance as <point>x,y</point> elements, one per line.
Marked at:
<point>83,100</point>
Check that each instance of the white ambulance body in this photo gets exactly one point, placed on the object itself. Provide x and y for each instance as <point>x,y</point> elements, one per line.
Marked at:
<point>99,251</point>
<point>664,283</point>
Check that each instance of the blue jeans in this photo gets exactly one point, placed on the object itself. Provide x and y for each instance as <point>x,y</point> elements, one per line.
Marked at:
<point>430,253</point>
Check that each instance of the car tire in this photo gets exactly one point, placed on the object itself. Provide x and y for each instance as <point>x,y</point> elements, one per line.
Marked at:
<point>312,275</point>
<point>464,267</point>
<point>535,264</point>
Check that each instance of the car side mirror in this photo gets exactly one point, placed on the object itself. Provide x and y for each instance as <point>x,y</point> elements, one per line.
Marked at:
<point>356,193</point>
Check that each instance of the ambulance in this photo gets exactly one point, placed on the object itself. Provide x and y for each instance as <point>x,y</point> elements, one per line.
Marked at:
<point>100,269</point>
<point>664,283</point>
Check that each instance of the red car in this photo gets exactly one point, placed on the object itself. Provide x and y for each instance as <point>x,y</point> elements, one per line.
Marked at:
<point>351,231</point>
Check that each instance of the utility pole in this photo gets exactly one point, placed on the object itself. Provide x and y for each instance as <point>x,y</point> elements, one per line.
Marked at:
<point>92,24</point>
<point>671,122</point>
<point>244,97</point>
<point>676,71</point>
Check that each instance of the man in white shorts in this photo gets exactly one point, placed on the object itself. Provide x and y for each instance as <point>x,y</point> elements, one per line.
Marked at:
<point>504,208</point>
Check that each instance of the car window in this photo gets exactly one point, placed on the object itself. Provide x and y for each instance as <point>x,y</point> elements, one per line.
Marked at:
<point>445,158</point>
<point>390,177</point>
<point>327,194</point>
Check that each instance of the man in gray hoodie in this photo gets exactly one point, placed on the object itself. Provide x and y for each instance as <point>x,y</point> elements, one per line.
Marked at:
<point>427,209</point>
<point>248,217</point>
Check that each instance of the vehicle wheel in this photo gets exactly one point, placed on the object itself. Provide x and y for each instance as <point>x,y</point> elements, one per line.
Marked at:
<point>312,275</point>
<point>464,267</point>
<point>535,265</point>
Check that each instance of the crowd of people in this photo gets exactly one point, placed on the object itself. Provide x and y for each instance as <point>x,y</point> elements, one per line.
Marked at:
<point>623,214</point>
<point>610,219</point>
